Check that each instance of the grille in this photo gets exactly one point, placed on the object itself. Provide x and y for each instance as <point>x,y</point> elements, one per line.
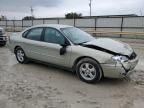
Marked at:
<point>133,56</point>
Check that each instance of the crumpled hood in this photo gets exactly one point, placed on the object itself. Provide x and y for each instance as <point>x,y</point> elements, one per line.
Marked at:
<point>112,45</point>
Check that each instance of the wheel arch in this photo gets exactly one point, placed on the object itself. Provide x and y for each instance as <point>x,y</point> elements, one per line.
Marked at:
<point>82,57</point>
<point>16,48</point>
<point>25,58</point>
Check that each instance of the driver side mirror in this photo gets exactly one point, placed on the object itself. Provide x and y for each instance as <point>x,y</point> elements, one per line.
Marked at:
<point>64,46</point>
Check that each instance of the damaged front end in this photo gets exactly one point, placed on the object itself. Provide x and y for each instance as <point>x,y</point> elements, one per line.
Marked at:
<point>127,63</point>
<point>119,65</point>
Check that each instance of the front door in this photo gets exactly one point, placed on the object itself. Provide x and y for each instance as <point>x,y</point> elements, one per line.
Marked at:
<point>51,45</point>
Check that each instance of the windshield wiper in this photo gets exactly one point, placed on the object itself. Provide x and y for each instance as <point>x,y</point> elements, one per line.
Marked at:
<point>82,43</point>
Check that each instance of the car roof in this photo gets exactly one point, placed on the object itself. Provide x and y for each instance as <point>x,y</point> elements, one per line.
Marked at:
<point>57,26</point>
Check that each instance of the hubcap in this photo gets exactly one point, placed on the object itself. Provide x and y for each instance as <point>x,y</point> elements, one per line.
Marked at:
<point>20,55</point>
<point>87,71</point>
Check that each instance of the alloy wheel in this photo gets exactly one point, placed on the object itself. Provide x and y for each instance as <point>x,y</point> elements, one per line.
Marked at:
<point>88,71</point>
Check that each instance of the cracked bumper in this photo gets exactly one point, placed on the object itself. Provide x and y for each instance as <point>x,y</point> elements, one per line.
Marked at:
<point>119,70</point>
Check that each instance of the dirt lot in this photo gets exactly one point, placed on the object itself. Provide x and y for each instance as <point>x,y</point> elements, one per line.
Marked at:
<point>39,86</point>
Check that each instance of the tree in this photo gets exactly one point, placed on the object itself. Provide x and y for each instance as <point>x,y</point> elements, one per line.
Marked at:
<point>3,17</point>
<point>28,18</point>
<point>73,15</point>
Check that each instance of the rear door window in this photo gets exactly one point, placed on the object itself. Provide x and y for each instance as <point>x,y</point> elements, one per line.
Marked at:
<point>35,34</point>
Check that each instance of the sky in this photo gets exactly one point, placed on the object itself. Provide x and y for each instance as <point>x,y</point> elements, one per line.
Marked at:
<point>17,9</point>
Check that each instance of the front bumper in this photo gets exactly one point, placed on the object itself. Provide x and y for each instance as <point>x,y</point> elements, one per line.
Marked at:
<point>119,70</point>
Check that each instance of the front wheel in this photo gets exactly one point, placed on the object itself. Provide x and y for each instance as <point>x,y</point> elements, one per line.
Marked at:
<point>20,55</point>
<point>89,70</point>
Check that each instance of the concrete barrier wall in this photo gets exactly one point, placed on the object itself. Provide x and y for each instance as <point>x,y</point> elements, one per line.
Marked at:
<point>130,24</point>
<point>133,22</point>
<point>37,22</point>
<point>67,21</point>
<point>109,22</point>
<point>51,21</point>
<point>89,23</point>
<point>2,23</point>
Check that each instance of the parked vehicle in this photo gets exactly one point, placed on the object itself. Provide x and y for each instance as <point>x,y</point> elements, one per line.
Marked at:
<point>74,49</point>
<point>3,38</point>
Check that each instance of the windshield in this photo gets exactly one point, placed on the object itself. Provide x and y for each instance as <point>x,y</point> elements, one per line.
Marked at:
<point>76,35</point>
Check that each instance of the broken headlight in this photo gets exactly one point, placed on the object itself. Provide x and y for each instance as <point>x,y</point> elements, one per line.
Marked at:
<point>120,58</point>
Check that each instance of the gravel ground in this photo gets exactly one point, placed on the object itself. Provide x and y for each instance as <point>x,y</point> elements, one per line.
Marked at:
<point>35,85</point>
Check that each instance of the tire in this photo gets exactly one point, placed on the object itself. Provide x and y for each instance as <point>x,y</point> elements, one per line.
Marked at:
<point>88,70</point>
<point>20,56</point>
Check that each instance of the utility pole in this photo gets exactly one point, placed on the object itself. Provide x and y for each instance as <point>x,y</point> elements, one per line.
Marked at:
<point>90,4</point>
<point>32,11</point>
<point>141,13</point>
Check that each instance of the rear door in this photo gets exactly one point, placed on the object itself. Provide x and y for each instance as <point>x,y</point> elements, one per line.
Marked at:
<point>32,43</point>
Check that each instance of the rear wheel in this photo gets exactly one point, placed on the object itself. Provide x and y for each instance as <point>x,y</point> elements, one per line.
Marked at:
<point>20,55</point>
<point>88,70</point>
